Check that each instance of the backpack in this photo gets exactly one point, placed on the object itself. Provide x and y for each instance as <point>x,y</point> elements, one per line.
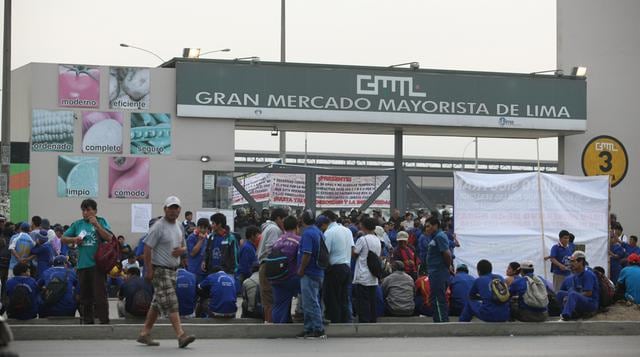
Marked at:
<point>20,301</point>
<point>107,255</point>
<point>55,290</point>
<point>374,264</point>
<point>323,255</point>
<point>607,290</point>
<point>276,265</point>
<point>536,294</point>
<point>499,291</point>
<point>141,303</point>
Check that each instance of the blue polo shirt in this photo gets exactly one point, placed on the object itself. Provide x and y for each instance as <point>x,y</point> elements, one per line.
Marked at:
<point>222,293</point>
<point>34,293</point>
<point>310,243</point>
<point>246,259</point>
<point>438,244</point>
<point>186,292</point>
<point>194,263</point>
<point>66,306</point>
<point>561,254</point>
<point>490,310</point>
<point>586,281</point>
<point>460,286</point>
<point>44,256</point>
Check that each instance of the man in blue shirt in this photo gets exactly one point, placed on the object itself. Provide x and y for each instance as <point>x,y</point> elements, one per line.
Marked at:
<point>247,257</point>
<point>559,255</point>
<point>23,293</point>
<point>632,246</point>
<point>196,243</point>
<point>629,281</point>
<point>311,276</point>
<point>222,293</point>
<point>43,252</point>
<point>135,295</point>
<point>481,303</point>
<point>582,297</point>
<point>186,292</point>
<point>66,306</point>
<point>460,285</point>
<point>520,310</point>
<point>439,268</point>
<point>221,248</point>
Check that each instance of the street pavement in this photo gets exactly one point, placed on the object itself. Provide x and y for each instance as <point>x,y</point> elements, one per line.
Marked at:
<point>582,346</point>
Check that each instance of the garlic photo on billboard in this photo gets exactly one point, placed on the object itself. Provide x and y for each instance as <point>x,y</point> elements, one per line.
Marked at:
<point>129,177</point>
<point>77,176</point>
<point>150,134</point>
<point>78,86</point>
<point>129,88</point>
<point>102,132</point>
<point>52,130</point>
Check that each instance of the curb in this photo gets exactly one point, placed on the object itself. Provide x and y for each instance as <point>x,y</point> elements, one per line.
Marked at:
<point>24,332</point>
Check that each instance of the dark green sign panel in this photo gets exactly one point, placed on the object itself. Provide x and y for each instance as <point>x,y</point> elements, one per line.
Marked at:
<point>326,93</point>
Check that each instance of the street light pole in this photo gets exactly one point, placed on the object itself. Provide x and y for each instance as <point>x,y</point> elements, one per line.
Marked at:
<point>283,133</point>
<point>5,149</point>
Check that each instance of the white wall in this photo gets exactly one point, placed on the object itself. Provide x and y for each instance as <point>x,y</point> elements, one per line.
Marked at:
<point>177,174</point>
<point>604,36</point>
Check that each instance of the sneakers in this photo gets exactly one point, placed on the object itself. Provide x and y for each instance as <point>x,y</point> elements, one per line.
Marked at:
<point>315,335</point>
<point>147,340</point>
<point>185,340</point>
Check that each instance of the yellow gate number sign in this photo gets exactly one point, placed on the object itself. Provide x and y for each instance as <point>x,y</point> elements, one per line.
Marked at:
<point>605,155</point>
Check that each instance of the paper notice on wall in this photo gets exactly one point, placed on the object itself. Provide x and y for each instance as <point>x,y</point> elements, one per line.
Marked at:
<point>140,217</point>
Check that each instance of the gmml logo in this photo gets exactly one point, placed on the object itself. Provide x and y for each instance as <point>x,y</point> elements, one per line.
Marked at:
<point>371,85</point>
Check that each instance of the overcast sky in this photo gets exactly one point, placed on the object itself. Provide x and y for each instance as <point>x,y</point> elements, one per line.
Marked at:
<point>485,35</point>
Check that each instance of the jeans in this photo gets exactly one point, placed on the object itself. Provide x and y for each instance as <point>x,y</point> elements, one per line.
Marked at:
<point>365,297</point>
<point>310,292</point>
<point>576,304</point>
<point>336,293</point>
<point>439,280</point>
<point>283,293</point>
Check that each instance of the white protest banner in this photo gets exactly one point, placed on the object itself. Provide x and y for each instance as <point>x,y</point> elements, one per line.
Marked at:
<point>498,217</point>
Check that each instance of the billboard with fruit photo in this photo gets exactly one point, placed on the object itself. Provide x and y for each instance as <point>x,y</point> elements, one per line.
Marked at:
<point>129,88</point>
<point>129,177</point>
<point>78,86</point>
<point>102,132</point>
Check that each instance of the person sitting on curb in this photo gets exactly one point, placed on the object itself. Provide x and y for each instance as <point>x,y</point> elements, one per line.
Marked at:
<point>135,296</point>
<point>221,289</point>
<point>23,293</point>
<point>398,289</point>
<point>482,302</point>
<point>251,304</point>
<point>460,285</point>
<point>59,284</point>
<point>186,291</point>
<point>628,284</point>
<point>582,297</point>
<point>529,295</point>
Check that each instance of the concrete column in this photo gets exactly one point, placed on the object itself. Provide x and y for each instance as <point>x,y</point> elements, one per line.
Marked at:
<point>398,190</point>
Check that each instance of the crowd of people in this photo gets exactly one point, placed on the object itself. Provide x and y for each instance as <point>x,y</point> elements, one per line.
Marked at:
<point>339,268</point>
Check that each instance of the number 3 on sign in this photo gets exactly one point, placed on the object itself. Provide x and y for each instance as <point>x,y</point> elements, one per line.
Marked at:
<point>605,155</point>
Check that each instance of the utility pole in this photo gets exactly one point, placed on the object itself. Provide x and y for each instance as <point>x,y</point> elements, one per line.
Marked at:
<point>5,149</point>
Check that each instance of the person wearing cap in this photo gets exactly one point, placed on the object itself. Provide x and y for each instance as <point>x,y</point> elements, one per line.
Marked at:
<point>66,305</point>
<point>439,267</point>
<point>520,310</point>
<point>311,277</point>
<point>406,255</point>
<point>339,241</point>
<point>87,233</point>
<point>558,257</point>
<point>399,291</point>
<point>163,248</point>
<point>460,285</point>
<point>582,295</point>
<point>20,247</point>
<point>628,284</point>
<point>272,229</point>
<point>43,251</point>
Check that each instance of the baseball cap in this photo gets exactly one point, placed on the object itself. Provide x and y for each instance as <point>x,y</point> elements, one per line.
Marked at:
<point>402,235</point>
<point>322,219</point>
<point>379,231</point>
<point>634,258</point>
<point>59,260</point>
<point>172,200</point>
<point>578,254</point>
<point>526,264</point>
<point>42,235</point>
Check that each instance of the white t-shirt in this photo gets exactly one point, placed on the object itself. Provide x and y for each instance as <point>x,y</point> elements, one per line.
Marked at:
<point>362,275</point>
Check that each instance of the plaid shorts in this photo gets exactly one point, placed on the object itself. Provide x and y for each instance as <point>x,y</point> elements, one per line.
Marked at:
<point>164,290</point>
